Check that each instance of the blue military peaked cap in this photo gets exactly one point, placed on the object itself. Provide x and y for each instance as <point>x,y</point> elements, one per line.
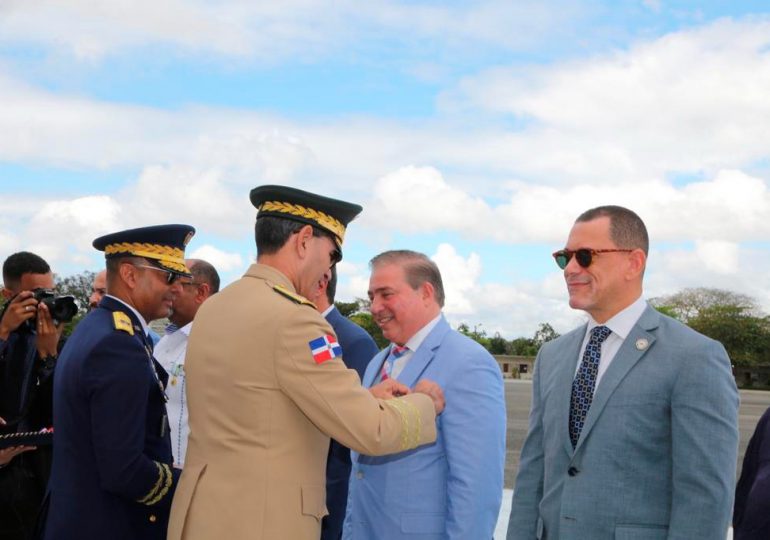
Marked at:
<point>163,244</point>
<point>331,215</point>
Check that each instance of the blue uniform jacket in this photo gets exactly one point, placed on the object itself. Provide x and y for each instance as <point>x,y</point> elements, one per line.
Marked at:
<point>450,489</point>
<point>358,348</point>
<point>112,475</point>
<point>751,519</point>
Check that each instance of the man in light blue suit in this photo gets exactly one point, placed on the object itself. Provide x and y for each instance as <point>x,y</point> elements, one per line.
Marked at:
<point>450,489</point>
<point>633,430</point>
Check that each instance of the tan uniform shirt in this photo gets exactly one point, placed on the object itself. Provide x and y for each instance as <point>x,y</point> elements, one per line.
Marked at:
<point>262,411</point>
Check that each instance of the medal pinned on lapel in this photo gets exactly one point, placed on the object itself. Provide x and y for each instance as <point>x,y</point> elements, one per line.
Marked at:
<point>642,344</point>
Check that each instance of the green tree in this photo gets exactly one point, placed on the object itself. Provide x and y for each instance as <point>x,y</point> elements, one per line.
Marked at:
<point>543,334</point>
<point>79,286</point>
<point>477,335</point>
<point>523,347</point>
<point>366,321</point>
<point>731,318</point>
<point>745,336</point>
<point>688,303</point>
<point>498,344</point>
<point>346,308</point>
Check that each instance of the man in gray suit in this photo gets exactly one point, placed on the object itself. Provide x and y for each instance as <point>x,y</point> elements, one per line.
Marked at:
<point>633,430</point>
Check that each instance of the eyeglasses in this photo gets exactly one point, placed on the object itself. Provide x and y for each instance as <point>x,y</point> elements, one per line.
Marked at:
<point>583,256</point>
<point>170,276</point>
<point>187,283</point>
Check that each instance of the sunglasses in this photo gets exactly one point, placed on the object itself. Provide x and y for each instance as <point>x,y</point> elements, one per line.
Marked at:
<point>583,256</point>
<point>170,276</point>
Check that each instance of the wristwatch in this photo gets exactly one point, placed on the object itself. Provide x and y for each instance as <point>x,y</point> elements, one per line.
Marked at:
<point>49,361</point>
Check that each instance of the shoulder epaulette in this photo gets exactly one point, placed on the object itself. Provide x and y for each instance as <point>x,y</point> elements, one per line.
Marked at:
<point>122,322</point>
<point>293,296</point>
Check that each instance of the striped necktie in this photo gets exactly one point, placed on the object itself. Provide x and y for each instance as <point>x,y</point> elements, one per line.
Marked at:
<point>396,352</point>
<point>584,382</point>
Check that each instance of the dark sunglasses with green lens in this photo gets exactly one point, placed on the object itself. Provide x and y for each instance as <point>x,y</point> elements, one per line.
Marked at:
<point>583,256</point>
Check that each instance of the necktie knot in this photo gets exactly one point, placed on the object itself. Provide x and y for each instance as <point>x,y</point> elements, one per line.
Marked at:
<point>171,328</point>
<point>599,334</point>
<point>398,351</point>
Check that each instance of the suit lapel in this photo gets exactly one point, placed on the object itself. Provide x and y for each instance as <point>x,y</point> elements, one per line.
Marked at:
<point>424,354</point>
<point>625,359</point>
<point>374,367</point>
<point>563,387</point>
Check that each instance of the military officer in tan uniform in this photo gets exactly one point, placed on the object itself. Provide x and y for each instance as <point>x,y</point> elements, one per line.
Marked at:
<point>267,387</point>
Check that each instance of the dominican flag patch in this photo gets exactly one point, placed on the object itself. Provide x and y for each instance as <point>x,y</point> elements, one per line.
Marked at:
<point>325,348</point>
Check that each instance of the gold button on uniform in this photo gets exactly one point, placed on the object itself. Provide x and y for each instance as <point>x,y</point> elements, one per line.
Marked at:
<point>153,518</point>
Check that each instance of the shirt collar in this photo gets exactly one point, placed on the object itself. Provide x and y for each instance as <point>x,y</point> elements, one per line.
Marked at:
<point>414,342</point>
<point>327,311</point>
<point>145,328</point>
<point>622,322</point>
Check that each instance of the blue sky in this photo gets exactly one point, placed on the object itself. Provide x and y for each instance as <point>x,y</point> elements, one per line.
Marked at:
<point>473,131</point>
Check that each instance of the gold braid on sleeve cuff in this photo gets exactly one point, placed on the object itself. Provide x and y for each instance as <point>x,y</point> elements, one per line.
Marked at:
<point>161,487</point>
<point>410,423</point>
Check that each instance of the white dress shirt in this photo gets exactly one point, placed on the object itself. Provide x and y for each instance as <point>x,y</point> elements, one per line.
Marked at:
<point>620,324</point>
<point>170,352</point>
<point>412,345</point>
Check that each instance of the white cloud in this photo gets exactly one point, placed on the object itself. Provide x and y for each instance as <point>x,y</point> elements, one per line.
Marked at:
<point>460,277</point>
<point>266,31</point>
<point>417,199</point>
<point>64,229</point>
<point>731,207</point>
<point>692,100</point>
<point>223,261</point>
<point>718,256</point>
<point>201,198</point>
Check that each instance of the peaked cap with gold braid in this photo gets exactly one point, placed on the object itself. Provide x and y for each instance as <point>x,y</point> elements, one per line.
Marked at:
<point>331,215</point>
<point>162,244</point>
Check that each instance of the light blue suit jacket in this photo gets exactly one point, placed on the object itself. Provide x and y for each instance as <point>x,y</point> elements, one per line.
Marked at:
<point>450,489</point>
<point>656,458</point>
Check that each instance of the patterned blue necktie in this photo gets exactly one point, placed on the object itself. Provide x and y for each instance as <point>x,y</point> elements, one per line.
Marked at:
<point>585,381</point>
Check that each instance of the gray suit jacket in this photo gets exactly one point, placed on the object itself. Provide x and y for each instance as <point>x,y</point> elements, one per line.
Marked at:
<point>657,455</point>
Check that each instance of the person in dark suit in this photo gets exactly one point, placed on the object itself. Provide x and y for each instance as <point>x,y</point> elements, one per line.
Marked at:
<point>751,518</point>
<point>112,471</point>
<point>30,339</point>
<point>633,429</point>
<point>358,348</point>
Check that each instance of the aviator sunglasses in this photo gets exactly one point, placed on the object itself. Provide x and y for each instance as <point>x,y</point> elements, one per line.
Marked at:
<point>170,276</point>
<point>583,256</point>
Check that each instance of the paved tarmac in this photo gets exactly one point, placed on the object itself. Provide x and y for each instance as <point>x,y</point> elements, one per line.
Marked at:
<point>519,393</point>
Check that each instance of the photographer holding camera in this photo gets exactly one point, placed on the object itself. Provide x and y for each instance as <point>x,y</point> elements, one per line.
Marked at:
<point>29,345</point>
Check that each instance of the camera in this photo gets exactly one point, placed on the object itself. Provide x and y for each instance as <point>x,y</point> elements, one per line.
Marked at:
<point>62,308</point>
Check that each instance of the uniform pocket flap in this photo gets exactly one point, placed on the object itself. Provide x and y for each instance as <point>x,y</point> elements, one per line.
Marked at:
<point>423,522</point>
<point>314,501</point>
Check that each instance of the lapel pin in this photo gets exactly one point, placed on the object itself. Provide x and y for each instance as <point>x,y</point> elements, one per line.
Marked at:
<point>642,344</point>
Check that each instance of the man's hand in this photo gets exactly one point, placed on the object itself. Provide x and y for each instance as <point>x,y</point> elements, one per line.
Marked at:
<point>48,333</point>
<point>433,391</point>
<point>21,309</point>
<point>388,389</point>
